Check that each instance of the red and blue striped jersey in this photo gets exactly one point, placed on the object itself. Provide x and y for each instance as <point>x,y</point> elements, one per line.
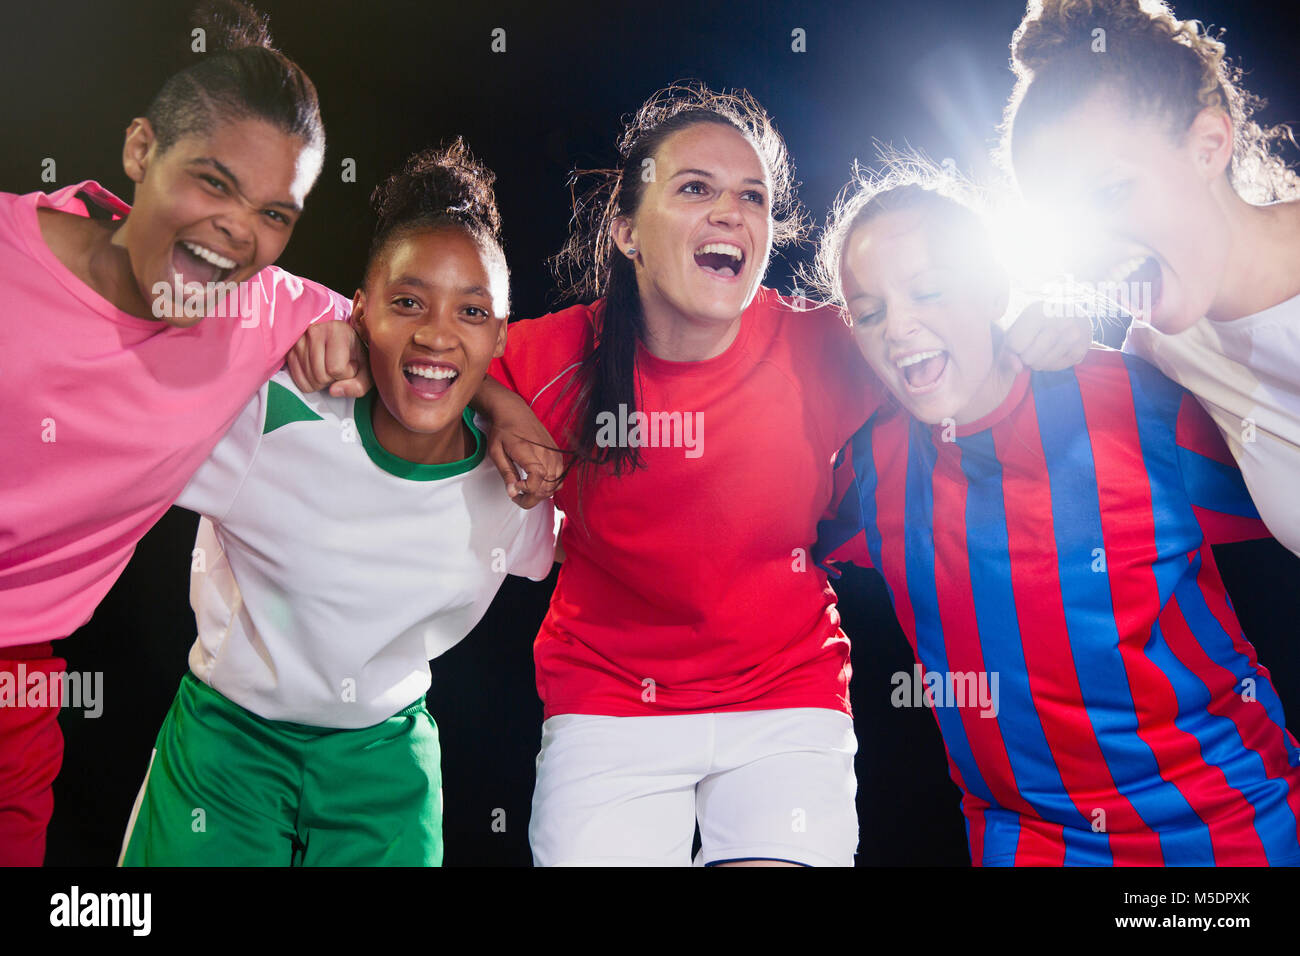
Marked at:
<point>1058,551</point>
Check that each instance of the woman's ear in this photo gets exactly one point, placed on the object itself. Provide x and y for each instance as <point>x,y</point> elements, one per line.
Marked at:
<point>358,317</point>
<point>624,235</point>
<point>999,296</point>
<point>995,297</point>
<point>1209,139</point>
<point>501,337</point>
<point>138,149</point>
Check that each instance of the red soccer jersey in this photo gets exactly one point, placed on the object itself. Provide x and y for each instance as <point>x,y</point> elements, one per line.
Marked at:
<point>687,585</point>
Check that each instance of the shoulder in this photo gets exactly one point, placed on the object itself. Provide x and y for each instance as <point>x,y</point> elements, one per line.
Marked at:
<point>811,338</point>
<point>285,404</point>
<point>889,414</point>
<point>1123,382</point>
<point>294,290</point>
<point>61,215</point>
<point>12,209</point>
<point>567,328</point>
<point>540,350</point>
<point>1102,364</point>
<point>799,332</point>
<point>72,199</point>
<point>296,301</point>
<point>800,317</point>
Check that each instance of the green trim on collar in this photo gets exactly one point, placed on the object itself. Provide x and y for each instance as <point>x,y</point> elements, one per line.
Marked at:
<point>283,407</point>
<point>413,471</point>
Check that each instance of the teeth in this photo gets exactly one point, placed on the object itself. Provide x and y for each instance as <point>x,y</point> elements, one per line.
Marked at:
<point>722,248</point>
<point>207,255</point>
<point>1123,270</point>
<point>916,357</point>
<point>428,371</point>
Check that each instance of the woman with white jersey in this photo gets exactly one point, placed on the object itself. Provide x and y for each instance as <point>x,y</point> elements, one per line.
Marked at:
<point>345,543</point>
<point>1130,118</point>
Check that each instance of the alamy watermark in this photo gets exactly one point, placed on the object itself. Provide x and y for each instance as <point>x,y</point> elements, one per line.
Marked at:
<point>40,688</point>
<point>639,429</point>
<point>212,300</point>
<point>1069,299</point>
<point>975,689</point>
<point>75,908</point>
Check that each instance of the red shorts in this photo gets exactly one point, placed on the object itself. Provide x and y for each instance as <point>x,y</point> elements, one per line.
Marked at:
<point>31,752</point>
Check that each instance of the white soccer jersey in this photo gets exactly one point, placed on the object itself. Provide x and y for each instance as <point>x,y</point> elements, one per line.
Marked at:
<point>1246,373</point>
<point>331,571</point>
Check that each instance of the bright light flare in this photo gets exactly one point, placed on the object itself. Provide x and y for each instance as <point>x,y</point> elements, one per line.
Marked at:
<point>1050,254</point>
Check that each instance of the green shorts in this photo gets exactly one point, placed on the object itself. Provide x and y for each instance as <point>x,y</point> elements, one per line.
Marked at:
<point>228,788</point>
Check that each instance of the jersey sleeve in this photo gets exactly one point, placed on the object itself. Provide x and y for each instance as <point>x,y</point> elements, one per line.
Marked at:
<point>852,391</point>
<point>1212,480</point>
<point>841,538</point>
<point>532,553</point>
<point>541,357</point>
<point>500,369</point>
<point>212,489</point>
<point>286,305</point>
<point>540,352</point>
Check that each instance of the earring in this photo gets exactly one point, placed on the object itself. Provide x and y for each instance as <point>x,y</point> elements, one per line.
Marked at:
<point>631,253</point>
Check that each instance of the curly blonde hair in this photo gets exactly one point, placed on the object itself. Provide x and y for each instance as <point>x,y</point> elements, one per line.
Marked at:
<point>1159,63</point>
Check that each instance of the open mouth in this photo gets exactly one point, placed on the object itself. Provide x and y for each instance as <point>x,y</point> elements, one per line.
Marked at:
<point>1139,284</point>
<point>922,370</point>
<point>196,263</point>
<point>430,379</point>
<point>721,259</point>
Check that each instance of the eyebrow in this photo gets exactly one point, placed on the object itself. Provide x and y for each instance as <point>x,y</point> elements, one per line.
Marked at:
<point>226,171</point>
<point>464,290</point>
<point>911,278</point>
<point>708,175</point>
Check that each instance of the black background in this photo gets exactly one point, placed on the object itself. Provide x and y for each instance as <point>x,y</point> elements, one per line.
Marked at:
<point>397,75</point>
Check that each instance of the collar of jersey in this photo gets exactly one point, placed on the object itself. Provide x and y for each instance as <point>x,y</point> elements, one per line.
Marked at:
<point>411,470</point>
<point>1009,404</point>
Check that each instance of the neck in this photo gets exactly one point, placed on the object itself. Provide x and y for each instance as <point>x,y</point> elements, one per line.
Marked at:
<point>1263,247</point>
<point>447,445</point>
<point>111,264</point>
<point>678,337</point>
<point>993,391</point>
<point>96,253</point>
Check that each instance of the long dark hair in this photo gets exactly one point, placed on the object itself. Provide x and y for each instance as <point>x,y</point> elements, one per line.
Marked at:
<point>241,76</point>
<point>590,266</point>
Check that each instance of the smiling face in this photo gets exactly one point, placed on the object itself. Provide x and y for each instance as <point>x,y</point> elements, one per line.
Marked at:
<point>433,315</point>
<point>214,207</point>
<point>923,319</point>
<point>1146,198</point>
<point>703,229</point>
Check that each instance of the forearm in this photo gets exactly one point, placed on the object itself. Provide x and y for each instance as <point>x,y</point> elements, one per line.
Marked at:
<point>493,399</point>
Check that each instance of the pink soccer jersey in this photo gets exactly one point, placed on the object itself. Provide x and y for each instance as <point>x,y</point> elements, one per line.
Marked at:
<point>107,415</point>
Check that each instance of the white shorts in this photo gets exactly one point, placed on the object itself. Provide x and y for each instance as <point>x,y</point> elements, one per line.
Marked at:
<point>763,785</point>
